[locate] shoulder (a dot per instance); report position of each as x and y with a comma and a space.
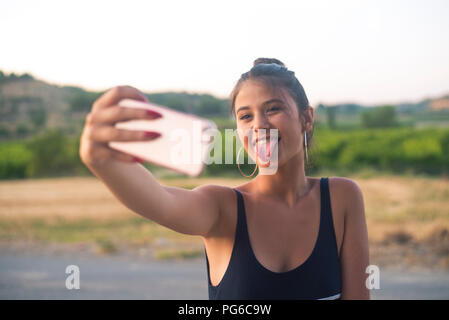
214, 190
342, 184
219, 194
347, 193
224, 199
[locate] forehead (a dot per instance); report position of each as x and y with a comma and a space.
254, 93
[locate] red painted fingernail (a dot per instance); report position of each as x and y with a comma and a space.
154, 114
151, 134
135, 159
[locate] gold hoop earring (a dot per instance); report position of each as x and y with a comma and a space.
238, 165
305, 144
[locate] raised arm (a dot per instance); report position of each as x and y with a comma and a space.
193, 212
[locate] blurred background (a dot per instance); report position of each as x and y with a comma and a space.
376, 73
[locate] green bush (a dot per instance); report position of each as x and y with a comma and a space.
14, 160
400, 149
53, 153
379, 117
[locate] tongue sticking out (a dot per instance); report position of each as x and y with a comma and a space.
265, 148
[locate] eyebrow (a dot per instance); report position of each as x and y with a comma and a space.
265, 103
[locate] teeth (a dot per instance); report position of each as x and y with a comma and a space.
264, 140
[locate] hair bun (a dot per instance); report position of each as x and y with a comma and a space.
268, 60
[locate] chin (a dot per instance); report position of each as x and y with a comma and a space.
264, 164
269, 163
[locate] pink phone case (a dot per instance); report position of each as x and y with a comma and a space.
184, 144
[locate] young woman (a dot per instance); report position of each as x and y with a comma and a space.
278, 236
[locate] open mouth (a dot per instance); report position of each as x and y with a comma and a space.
263, 140
264, 147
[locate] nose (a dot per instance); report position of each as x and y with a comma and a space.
260, 127
260, 122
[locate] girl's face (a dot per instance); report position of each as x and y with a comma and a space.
256, 108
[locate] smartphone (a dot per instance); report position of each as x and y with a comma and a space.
185, 142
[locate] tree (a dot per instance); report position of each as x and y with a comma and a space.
331, 117
379, 117
38, 116
211, 106
82, 101
50, 154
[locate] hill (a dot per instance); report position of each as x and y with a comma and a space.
28, 105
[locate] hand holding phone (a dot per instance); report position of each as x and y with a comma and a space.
99, 128
184, 142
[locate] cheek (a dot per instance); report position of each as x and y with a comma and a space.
291, 140
243, 135
290, 130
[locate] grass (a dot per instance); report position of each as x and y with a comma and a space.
400, 210
82, 230
106, 246
178, 254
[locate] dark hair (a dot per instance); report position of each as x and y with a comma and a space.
274, 74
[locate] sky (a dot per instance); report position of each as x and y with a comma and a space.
345, 51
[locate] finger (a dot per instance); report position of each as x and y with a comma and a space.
110, 133
116, 113
124, 157
114, 95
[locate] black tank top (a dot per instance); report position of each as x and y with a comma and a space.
317, 278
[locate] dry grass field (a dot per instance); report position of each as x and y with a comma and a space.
408, 218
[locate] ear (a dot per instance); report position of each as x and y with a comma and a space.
309, 118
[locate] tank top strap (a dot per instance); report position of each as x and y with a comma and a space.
327, 231
241, 234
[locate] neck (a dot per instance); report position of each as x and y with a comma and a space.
288, 184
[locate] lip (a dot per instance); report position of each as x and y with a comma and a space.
264, 138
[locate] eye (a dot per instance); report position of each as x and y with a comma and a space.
275, 108
244, 117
